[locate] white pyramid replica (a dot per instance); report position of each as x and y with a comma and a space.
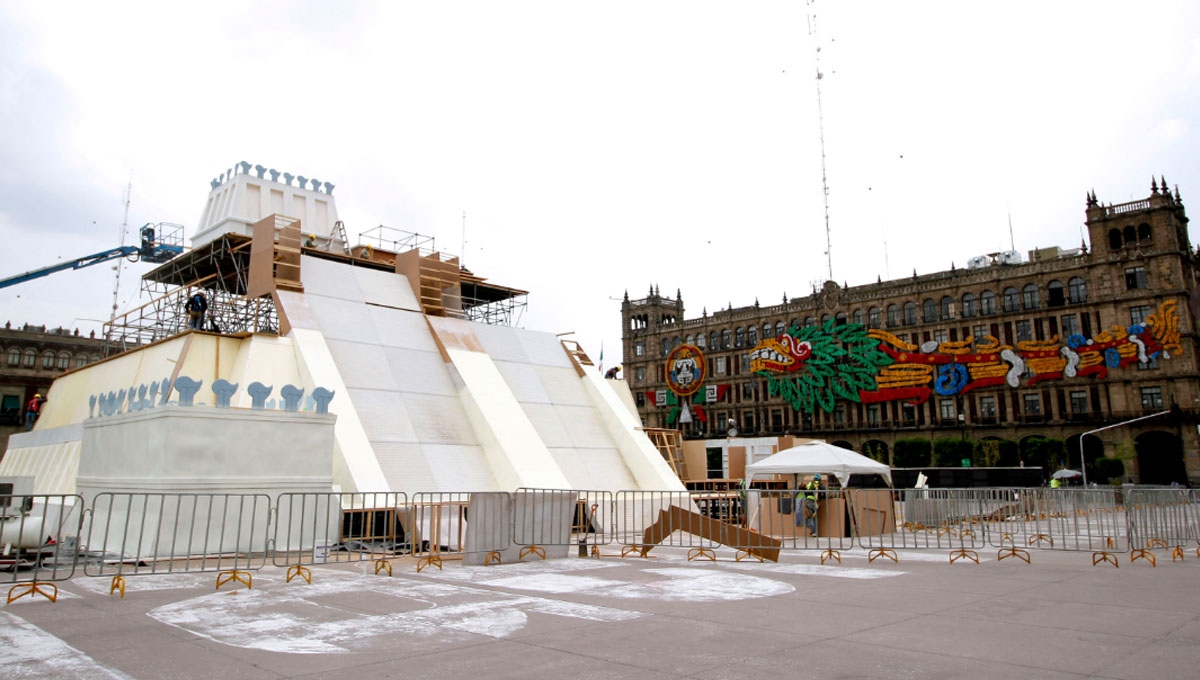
430, 394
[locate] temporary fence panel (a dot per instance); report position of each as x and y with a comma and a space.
1055, 519
322, 528
38, 542
149, 533
799, 522
557, 519
1160, 518
645, 519
924, 519
474, 526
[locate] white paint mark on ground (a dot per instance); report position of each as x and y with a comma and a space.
319, 618
701, 585
816, 570
480, 574
942, 556
27, 651
150, 582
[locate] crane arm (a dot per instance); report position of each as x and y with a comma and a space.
79, 263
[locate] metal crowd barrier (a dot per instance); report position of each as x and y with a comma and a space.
323, 528
127, 534
38, 535
783, 518
559, 519
1056, 519
1161, 518
920, 519
646, 519
473, 526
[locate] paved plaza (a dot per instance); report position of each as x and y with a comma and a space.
663, 617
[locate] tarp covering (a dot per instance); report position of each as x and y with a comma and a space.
819, 457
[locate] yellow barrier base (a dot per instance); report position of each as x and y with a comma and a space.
883, 552
637, 550
1012, 551
31, 589
1039, 538
381, 565
301, 571
1143, 554
830, 553
963, 553
596, 551
1177, 553
743, 554
435, 560
532, 550
492, 556
235, 575
695, 553
118, 581
1156, 543
1104, 556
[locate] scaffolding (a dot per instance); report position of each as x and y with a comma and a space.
220, 269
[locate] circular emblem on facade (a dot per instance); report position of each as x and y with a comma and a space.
685, 370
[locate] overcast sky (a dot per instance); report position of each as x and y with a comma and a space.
596, 148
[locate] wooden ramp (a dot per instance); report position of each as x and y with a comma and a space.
676, 518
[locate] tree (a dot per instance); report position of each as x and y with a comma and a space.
910, 453
1108, 470
950, 452
877, 451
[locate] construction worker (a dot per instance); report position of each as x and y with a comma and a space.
32, 410
196, 306
311, 241
808, 504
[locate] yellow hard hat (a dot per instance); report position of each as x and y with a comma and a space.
37, 396
312, 235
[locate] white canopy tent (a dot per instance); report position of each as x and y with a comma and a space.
818, 457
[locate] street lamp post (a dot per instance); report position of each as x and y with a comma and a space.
1083, 462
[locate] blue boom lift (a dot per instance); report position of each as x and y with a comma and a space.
157, 246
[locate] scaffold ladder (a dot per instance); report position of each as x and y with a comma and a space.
339, 229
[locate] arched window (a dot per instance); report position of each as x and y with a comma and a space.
839, 319
1077, 290
666, 346
1144, 232
1055, 294
1129, 235
873, 317
48, 359
893, 313
767, 328
969, 305
752, 336
1030, 295
910, 313
80, 360
1012, 299
859, 317
64, 361
779, 329
725, 339
95, 358
987, 302
1114, 239
809, 321
29, 359
712, 341
930, 310
947, 307
700, 340
14, 356
739, 337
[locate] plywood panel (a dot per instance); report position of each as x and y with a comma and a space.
385, 288
439, 420
383, 415
396, 328
501, 343
563, 386
341, 321
524, 382
460, 468
417, 372
362, 365
543, 348
330, 279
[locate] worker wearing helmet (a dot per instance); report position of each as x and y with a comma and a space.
808, 503
311, 241
32, 410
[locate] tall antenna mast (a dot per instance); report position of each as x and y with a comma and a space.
812, 31
117, 266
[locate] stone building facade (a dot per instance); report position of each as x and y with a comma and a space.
1056, 345
31, 357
